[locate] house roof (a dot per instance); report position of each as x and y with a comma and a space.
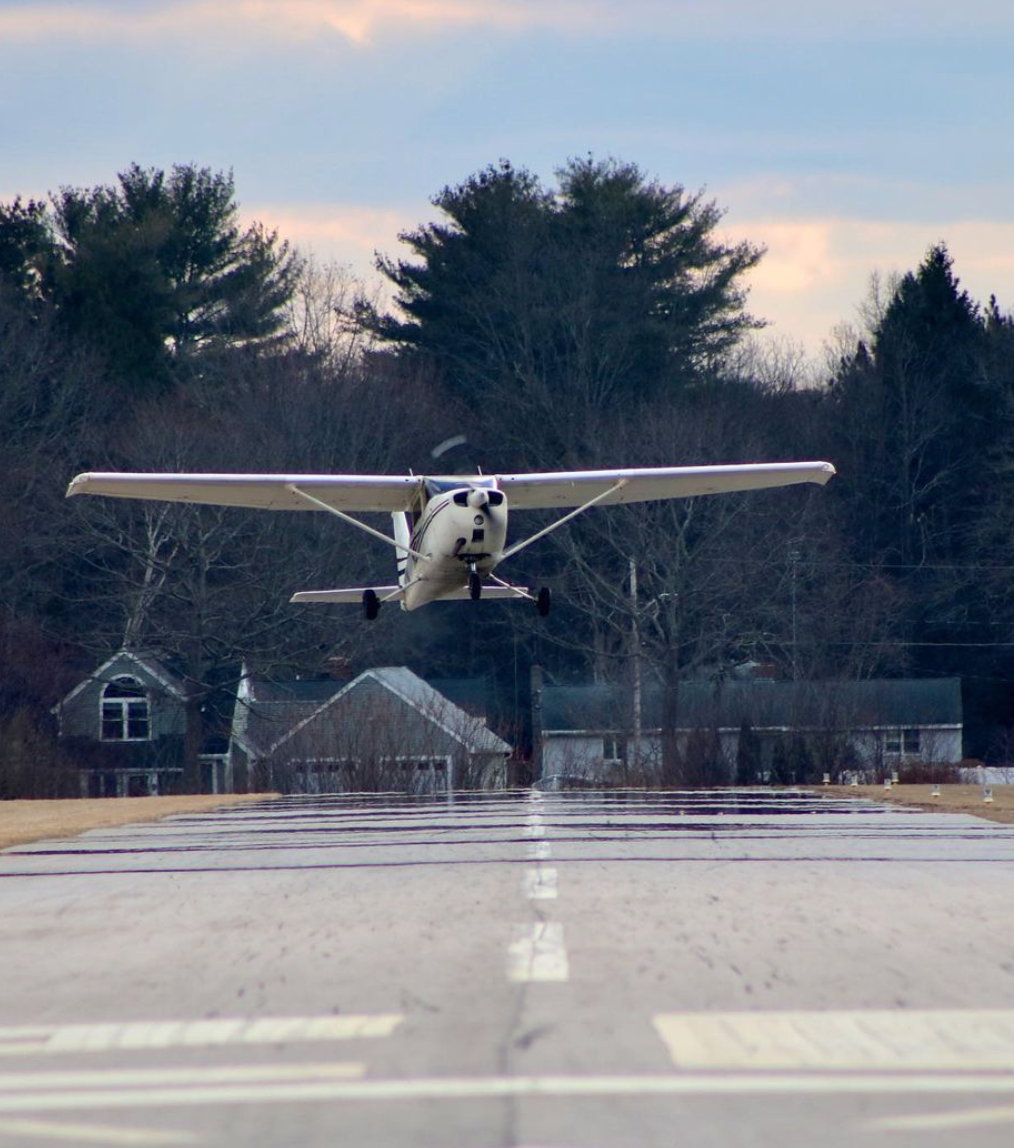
764, 704
124, 662
269, 713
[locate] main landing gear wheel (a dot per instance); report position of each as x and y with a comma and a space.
474, 585
543, 601
371, 604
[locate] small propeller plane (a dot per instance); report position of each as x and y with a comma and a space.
450, 532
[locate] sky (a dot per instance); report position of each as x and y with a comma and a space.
845, 138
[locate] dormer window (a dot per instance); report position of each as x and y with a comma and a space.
125, 715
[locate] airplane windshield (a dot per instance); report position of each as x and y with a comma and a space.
436, 486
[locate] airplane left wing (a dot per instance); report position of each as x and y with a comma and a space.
345, 492
577, 487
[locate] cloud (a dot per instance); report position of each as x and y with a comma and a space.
817, 272
343, 232
815, 275
355, 20
360, 21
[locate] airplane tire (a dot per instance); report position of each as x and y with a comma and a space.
474, 585
543, 602
371, 604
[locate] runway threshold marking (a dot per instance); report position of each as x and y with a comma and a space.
31, 1039
537, 953
472, 1088
933, 1040
539, 851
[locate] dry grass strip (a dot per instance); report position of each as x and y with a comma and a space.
952, 799
25, 821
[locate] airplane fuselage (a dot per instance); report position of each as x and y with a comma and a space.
456, 532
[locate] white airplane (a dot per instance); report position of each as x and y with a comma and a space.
450, 532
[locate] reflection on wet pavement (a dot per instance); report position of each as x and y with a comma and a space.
371, 829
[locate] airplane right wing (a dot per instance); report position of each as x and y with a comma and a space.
574, 488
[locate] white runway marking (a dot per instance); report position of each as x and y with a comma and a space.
465, 1088
535, 826
93, 1133
537, 953
539, 884
200, 1074
539, 851
23, 1040
900, 1040
938, 1121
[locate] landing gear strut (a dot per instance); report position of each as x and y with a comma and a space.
371, 604
543, 601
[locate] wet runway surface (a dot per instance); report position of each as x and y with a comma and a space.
522, 969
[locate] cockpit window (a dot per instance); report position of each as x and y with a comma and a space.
436, 486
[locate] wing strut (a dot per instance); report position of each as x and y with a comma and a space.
512, 550
354, 521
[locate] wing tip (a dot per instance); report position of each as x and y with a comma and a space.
78, 485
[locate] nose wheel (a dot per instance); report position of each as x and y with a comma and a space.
371, 604
474, 586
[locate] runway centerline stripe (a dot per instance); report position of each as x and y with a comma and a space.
539, 884
537, 953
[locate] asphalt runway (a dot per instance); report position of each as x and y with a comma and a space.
530, 970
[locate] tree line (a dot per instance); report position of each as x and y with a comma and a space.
595, 321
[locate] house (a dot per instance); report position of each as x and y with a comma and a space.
586, 731
125, 723
386, 729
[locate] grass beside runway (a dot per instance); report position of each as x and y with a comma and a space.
952, 799
22, 822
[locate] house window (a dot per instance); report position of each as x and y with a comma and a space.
125, 714
612, 748
902, 742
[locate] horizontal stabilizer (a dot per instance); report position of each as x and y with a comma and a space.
493, 593
353, 596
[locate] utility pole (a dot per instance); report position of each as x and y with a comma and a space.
636, 639
794, 559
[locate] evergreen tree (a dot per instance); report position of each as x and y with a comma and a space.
151, 271
608, 288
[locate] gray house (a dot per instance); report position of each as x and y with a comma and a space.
385, 730
125, 722
587, 731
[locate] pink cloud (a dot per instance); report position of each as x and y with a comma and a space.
817, 271
360, 20
356, 20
